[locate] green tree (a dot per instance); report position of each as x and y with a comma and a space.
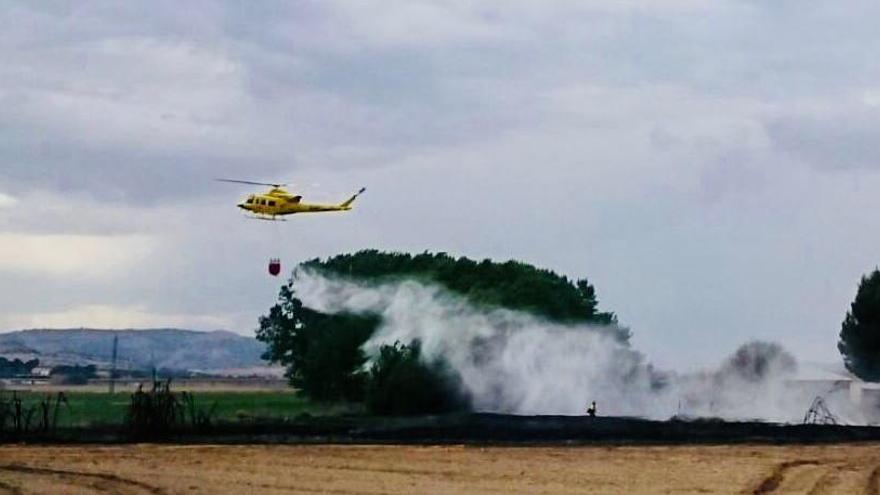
860, 333
322, 353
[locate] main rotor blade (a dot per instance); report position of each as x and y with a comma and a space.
250, 182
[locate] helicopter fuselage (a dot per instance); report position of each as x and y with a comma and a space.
277, 202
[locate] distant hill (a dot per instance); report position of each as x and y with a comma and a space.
138, 349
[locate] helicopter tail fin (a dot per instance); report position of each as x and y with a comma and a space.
347, 203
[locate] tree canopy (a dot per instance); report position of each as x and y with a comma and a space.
322, 352
16, 367
758, 360
511, 284
859, 342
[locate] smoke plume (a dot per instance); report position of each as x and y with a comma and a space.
512, 362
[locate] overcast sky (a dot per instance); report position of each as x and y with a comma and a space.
711, 166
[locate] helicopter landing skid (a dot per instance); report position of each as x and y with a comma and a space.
266, 218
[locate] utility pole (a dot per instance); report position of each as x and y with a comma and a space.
113, 364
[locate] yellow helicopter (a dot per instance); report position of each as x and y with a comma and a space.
278, 202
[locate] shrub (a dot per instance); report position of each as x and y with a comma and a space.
400, 383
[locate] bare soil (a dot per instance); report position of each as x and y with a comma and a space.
339, 469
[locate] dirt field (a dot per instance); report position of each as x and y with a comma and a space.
428, 470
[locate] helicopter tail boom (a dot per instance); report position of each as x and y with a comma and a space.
346, 205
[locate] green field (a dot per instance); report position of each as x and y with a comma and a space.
93, 409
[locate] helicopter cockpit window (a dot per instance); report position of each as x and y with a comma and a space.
250, 200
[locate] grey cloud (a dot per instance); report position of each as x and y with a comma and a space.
842, 138
147, 110
148, 113
732, 173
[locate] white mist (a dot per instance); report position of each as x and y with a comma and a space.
512, 362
